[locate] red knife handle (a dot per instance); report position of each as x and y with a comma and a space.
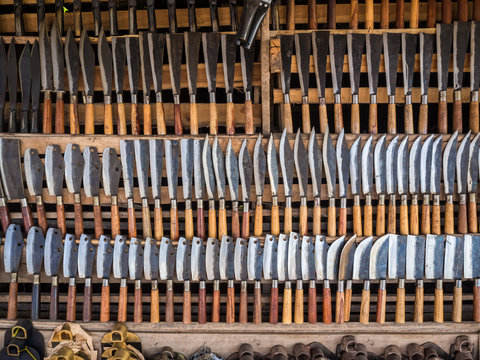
187, 303
340, 304
26, 215
353, 14
71, 300
462, 214
216, 301
41, 214
147, 118
442, 113
122, 301
47, 113
462, 10
178, 118
202, 303
155, 303
77, 208
132, 222
235, 221
59, 114
200, 219
476, 301
105, 302
246, 221
457, 112
472, 213
137, 305
312, 15
381, 302
160, 115
274, 302
74, 123
418, 307
54, 299
108, 116
36, 297
12, 297
87, 300
327, 303
146, 222
115, 219
257, 303
365, 303
312, 302
243, 311
134, 119
61, 222
89, 117
230, 316
431, 13
169, 315
331, 229
400, 16
457, 302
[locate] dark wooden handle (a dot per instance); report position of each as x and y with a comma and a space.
258, 220
147, 119
243, 311
414, 228
369, 18
380, 220
431, 13
472, 215
74, 123
160, 115
122, 119
115, 220
392, 118
77, 208
312, 303
273, 316
338, 117
418, 307
200, 223
436, 220
61, 222
327, 305
89, 119
354, 14
372, 118
187, 307
246, 224
154, 306
216, 306
355, 119
137, 305
59, 116
381, 305
42, 218
408, 115
457, 116
323, 118
229, 118
392, 218
357, 220
122, 304
36, 296
214, 118
77, 21
367, 220
27, 217
257, 304
476, 303
193, 119
54, 301
47, 114
414, 13
423, 119
12, 300
290, 15
230, 315
178, 119
365, 307
312, 14
400, 14
474, 116
108, 117
438, 306
462, 219
400, 306
249, 126
132, 222
457, 305
342, 221
404, 228
332, 218
169, 317
87, 302
235, 224
174, 230
202, 305
340, 307
384, 14
71, 302
462, 10
331, 16
135, 123
442, 117
105, 304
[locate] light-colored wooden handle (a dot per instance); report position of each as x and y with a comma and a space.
474, 117
408, 117
340, 307
160, 116
147, 119
457, 305
404, 220
342, 221
418, 308
317, 219
365, 307
222, 223
258, 222
249, 127
230, 118
158, 223
187, 307
322, 110
287, 117
472, 215
189, 224
155, 306
355, 119
449, 220
367, 220
436, 220
348, 304
298, 315
372, 113
122, 119
392, 218
438, 306
414, 13
216, 306
369, 20
105, 304
275, 226
303, 221
134, 119
400, 307
287, 221
331, 230
287, 306
174, 228
380, 220
426, 219
177, 114
193, 119
338, 117
213, 118
414, 228
108, 124
89, 119
357, 220
392, 117
306, 118
212, 224
74, 123
146, 222
423, 119
384, 14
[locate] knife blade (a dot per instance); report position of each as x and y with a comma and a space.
133, 66
444, 39
12, 85
146, 72
54, 170
356, 177
142, 160
72, 61
156, 169
127, 159
259, 167
91, 185
192, 51
367, 185
337, 46
286, 51
119, 59
233, 176
426, 55
87, 62
355, 44
374, 44
74, 165
105, 62
171, 164
46, 77
287, 166
211, 45
218, 162
272, 167
25, 74
461, 37
379, 157
34, 173
111, 173
461, 172
409, 47
320, 40
247, 58
186, 151
156, 45
330, 164
229, 54
174, 51
303, 45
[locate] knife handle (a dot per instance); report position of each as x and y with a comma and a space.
61, 223
87, 300
174, 230
332, 214
249, 127
476, 301
275, 214
132, 18
122, 120
202, 303
436, 220
12, 297
381, 215
213, 118
4, 215
257, 303
216, 301
47, 113
12, 121
338, 117
74, 123
306, 127
367, 216
134, 119
188, 220
355, 119
155, 303
462, 10
89, 118
312, 14
400, 16
200, 219
193, 118
472, 214
71, 300
287, 117
230, 118
298, 311
462, 215
290, 25
146, 221
392, 215
132, 222
408, 117
258, 223
287, 303
365, 303
235, 221
246, 222
348, 300
152, 22
457, 114
222, 219
400, 306
98, 222
442, 116
384, 14
96, 17
108, 117
414, 228
381, 302
317, 217
36, 297
105, 302
178, 119
137, 305
418, 308
372, 119
33, 123
287, 220
19, 25
77, 18
312, 302
457, 302
404, 216
230, 313
327, 303
357, 216
169, 315
392, 118
158, 220
369, 18
342, 217
331, 16
438, 302
340, 304
273, 316
322, 112
26, 215
115, 220
160, 115
24, 122
423, 119
474, 115
78, 214
53, 313
243, 311
212, 220
431, 13
353, 15
414, 13
122, 301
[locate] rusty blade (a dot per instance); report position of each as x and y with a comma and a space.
474, 56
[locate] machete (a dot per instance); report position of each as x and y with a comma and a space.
246, 175
186, 156
409, 49
104, 266
415, 267
378, 270
54, 170
13, 249
272, 167
135, 268
218, 162
105, 62
25, 74
46, 77
233, 177
402, 183
316, 168
282, 271
471, 269
120, 271
286, 51
58, 67
474, 76
209, 177
146, 72
111, 173
211, 45
343, 166
70, 265
379, 157
414, 173
142, 160
171, 164
303, 45
426, 183
321, 252
374, 44
35, 86
345, 274
53, 255
229, 54
453, 270
461, 35
86, 255
74, 165
356, 178
227, 272
392, 183
192, 51
287, 165
472, 181
255, 266
330, 164
308, 274
449, 158
150, 269
391, 50
294, 273
212, 273
166, 263
119, 59
156, 45
361, 271
270, 273
461, 172
434, 255
355, 44
199, 185
34, 174
367, 185
397, 247
435, 180
34, 258
426, 55
127, 158
198, 274
91, 185
320, 41
87, 62
301, 165
246, 60
174, 51
444, 39
259, 167
12, 85
72, 61
333, 260
337, 45
133, 66
157, 149
240, 268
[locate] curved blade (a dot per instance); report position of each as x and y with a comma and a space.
444, 33
471, 247
461, 35
25, 73
254, 259
462, 164
171, 164
13, 248
53, 251
186, 151
320, 52
156, 147
259, 165
198, 260
227, 258
34, 172
397, 249
86, 254
436, 169
282, 257
119, 59
415, 258
315, 164
391, 49
87, 61
337, 46
308, 258
330, 163
12, 74
246, 170
454, 254
167, 259
127, 157
333, 258
232, 170
133, 62
229, 53
34, 250
367, 166
272, 166
120, 257
355, 44
70, 257
294, 257
156, 45
208, 171
74, 165
198, 168
286, 163
402, 166
361, 260
104, 257
211, 45
112, 170
72, 61
145, 66
321, 251
472, 173
92, 171
374, 44
414, 168
150, 259
182, 261
192, 51
135, 259
303, 46
380, 154
286, 51
212, 257
270, 248
301, 164
218, 161
345, 265
434, 251
105, 62
240, 260
426, 55
378, 258
175, 51
10, 169
343, 164
45, 58
391, 166
54, 169
449, 156
57, 57
409, 50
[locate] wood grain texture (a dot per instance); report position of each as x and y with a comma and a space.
423, 119
331, 15
160, 116
327, 305
312, 14
78, 213
400, 306
249, 125
105, 304
380, 220
257, 305
414, 13
47, 114
348, 304
418, 307
298, 308
287, 117
290, 25
372, 115
122, 119
174, 228
246, 224
354, 14
400, 14
323, 118
431, 13
27, 217
317, 220
365, 307
216, 306
12, 301
436, 220
189, 224
222, 223
342, 221
438, 306
87, 303
355, 118
230, 311
147, 119
177, 114
392, 218
230, 119
258, 221
61, 222
462, 218
187, 307
212, 224
303, 221
404, 222
449, 220
369, 19
53, 306
73, 117
338, 117
202, 306
287, 306
340, 307
367, 220
137, 305
306, 118
357, 220
98, 222
384, 14
476, 303
476, 10
200, 223
132, 223
474, 116
472, 215
89, 119
287, 220
275, 220
426, 218
122, 304
331, 226
42, 218
462, 10
408, 118
414, 223
71, 303
214, 118
235, 224
457, 305
154, 306
108, 118
243, 308
59, 116
442, 117
273, 314
134, 120
381, 306
169, 316
457, 116
115, 220
312, 304
193, 119
392, 118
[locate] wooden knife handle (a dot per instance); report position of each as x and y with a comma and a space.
214, 118
174, 230
12, 298
342, 219
457, 116
287, 219
400, 306
160, 116
414, 228
462, 217
147, 119
212, 223
108, 116
462, 10
216, 305
137, 305
105, 302
327, 305
77, 20
400, 16
338, 117
42, 217
357, 220
365, 306
438, 305
249, 127
246, 222
369, 18
115, 220
331, 16
132, 222
367, 220
146, 221
257, 303
381, 303
303, 222
408, 115
47, 114
59, 115
36, 297
457, 302
423, 119
322, 110
392, 118
89, 119
188, 223
273, 317
340, 307
298, 311
392, 216
414, 13
187, 305
404, 219
122, 302
372, 117
312, 303
243, 311
53, 313
355, 119
78, 213
134, 119
230, 313
87, 301
317, 217
442, 117
384, 14
222, 222
474, 116
155, 305
472, 214
331, 230
354, 14
306, 127
290, 15
418, 307
287, 117
169, 316
258, 222
193, 118
348, 303
202, 304
476, 301
122, 119
287, 304
61, 223
230, 119
200, 220
431, 13
312, 14
26, 215
74, 123
275, 214
380, 219
71, 302
436, 220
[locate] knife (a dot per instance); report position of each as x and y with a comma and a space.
409, 47
320, 41
397, 247
461, 172
453, 270
86, 255
286, 51
91, 185
211, 44
209, 176
13, 248
402, 184
426, 54
471, 269
104, 265
120, 271
246, 174
171, 163
198, 274
199, 185
187, 158
345, 274
321, 252
378, 270
391, 182
74, 165
301, 165
367, 185
415, 265
53, 254
58, 72
146, 72
127, 158
435, 179
111, 173
97, 19
87, 61
34, 173
254, 266
227, 272
343, 166
142, 152
461, 34
25, 73
35, 85
132, 17
270, 272
218, 161
414, 174
329, 162
156, 168
166, 269
229, 54
247, 60
105, 62
379, 157
70, 265
287, 166
472, 181
361, 271
315, 164
444, 39
272, 167
232, 169
303, 45
133, 67
259, 165
156, 44
192, 51
240, 266
119, 58
174, 51
135, 267
54, 169
356, 177
12, 85
294, 273
212, 273
374, 44
34, 258
355, 44
337, 44
474, 75
332, 271
46, 77
391, 50
72, 61
449, 157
